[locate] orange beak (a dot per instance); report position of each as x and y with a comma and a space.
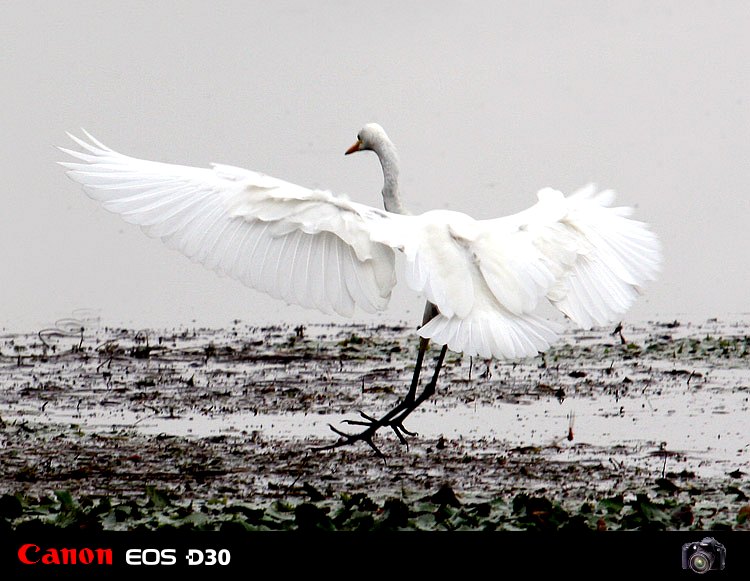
354, 147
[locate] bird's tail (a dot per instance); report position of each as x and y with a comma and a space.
492, 333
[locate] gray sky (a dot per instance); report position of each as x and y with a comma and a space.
487, 102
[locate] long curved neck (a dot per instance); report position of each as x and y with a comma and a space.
389, 162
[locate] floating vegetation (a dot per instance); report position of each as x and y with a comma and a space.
207, 429
441, 511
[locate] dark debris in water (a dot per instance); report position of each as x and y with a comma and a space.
65, 474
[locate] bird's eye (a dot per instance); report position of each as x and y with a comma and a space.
359, 137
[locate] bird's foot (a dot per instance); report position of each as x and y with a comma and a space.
346, 439
394, 419
395, 422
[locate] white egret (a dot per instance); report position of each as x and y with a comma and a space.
484, 280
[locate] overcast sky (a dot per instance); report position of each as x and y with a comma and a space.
487, 102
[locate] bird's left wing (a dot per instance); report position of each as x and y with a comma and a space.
307, 247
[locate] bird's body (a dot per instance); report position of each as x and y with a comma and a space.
485, 280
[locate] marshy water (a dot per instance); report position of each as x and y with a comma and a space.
236, 413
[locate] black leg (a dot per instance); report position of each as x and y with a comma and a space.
430, 312
395, 417
427, 392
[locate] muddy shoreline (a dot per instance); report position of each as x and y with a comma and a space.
234, 414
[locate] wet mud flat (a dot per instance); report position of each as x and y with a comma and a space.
209, 428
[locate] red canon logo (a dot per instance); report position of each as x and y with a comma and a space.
31, 554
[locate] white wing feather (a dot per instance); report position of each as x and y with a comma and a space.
318, 250
305, 246
487, 277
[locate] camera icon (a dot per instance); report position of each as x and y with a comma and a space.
706, 555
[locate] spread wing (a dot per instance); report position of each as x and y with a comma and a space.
489, 277
307, 247
315, 249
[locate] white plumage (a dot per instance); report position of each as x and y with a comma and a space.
487, 278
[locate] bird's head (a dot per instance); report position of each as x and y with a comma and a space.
371, 136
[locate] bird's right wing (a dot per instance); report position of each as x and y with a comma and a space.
488, 278
599, 257
307, 247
